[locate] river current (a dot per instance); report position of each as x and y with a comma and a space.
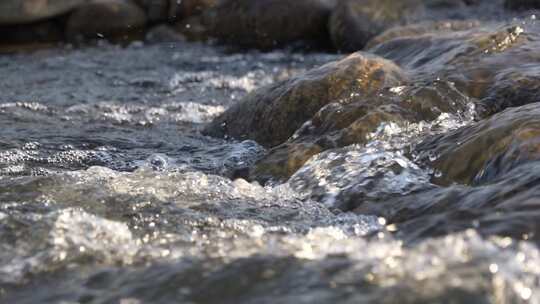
110, 194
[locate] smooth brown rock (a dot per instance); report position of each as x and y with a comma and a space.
354, 22
343, 124
188, 8
493, 64
268, 24
479, 153
159, 10
28, 11
418, 29
272, 114
174, 10
103, 18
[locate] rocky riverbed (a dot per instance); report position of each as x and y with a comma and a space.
383, 152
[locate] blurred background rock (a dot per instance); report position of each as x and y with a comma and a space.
342, 25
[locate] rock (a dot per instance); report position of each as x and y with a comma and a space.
354, 22
493, 64
163, 33
418, 29
343, 124
272, 114
521, 4
507, 206
482, 152
27, 11
437, 4
193, 29
116, 17
188, 8
39, 32
170, 10
159, 10
267, 24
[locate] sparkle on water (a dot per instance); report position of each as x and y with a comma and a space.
109, 194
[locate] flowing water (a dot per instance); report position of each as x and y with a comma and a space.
110, 194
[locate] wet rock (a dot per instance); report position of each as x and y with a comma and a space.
272, 114
521, 4
356, 121
494, 64
418, 29
479, 153
269, 24
27, 11
116, 18
354, 22
506, 206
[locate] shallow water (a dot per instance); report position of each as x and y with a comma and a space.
110, 194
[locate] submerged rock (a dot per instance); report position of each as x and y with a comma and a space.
479, 153
24, 11
116, 17
354, 22
272, 114
267, 24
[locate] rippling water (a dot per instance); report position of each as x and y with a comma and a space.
110, 194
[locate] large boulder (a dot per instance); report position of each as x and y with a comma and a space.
272, 114
267, 24
27, 11
354, 22
116, 18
